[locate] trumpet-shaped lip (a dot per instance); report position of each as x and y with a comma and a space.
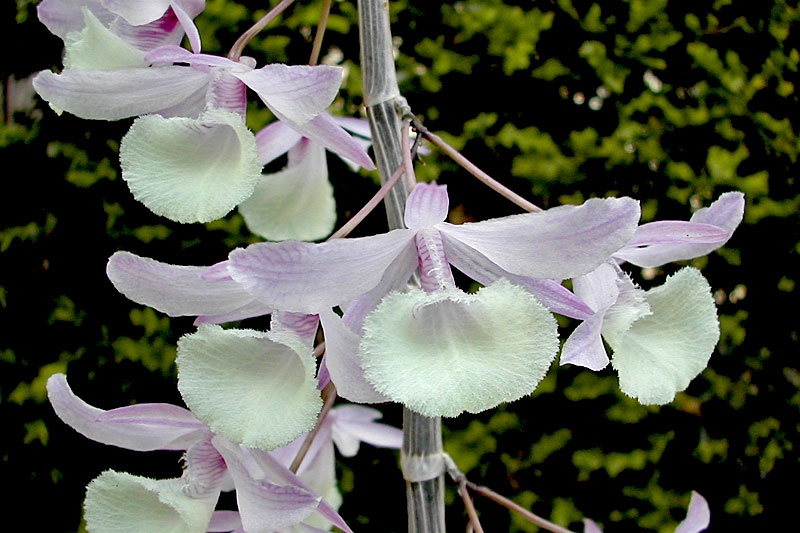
257, 389
190, 170
447, 352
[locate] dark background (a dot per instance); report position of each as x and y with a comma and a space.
672, 103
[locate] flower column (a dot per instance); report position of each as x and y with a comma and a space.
422, 436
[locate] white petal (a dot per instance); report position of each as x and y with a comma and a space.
96, 47
447, 352
661, 353
124, 503
295, 203
190, 170
253, 388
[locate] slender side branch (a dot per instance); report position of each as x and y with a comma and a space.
474, 170
323, 23
505, 502
368, 207
473, 515
408, 163
241, 42
330, 396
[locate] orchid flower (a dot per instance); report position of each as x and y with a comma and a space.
697, 518
191, 158
270, 498
437, 350
297, 202
662, 338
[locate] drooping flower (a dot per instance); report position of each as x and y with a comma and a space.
357, 274
191, 158
664, 337
496, 345
269, 496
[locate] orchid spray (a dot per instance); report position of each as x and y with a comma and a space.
395, 326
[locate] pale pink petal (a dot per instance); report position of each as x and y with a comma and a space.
187, 23
434, 270
178, 290
298, 92
324, 130
265, 505
559, 243
584, 347
62, 17
590, 527
359, 126
177, 54
698, 516
550, 293
307, 278
224, 521
204, 470
275, 140
344, 363
726, 214
117, 94
671, 231
167, 427
356, 423
280, 474
428, 204
137, 12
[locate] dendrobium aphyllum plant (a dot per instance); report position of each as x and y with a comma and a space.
661, 338
270, 497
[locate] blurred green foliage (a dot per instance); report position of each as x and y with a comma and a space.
670, 102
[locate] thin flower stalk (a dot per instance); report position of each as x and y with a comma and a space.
323, 23
408, 155
474, 521
351, 224
470, 167
246, 37
505, 502
330, 397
